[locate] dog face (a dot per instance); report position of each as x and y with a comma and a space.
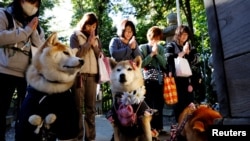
126, 75
55, 65
54, 56
196, 127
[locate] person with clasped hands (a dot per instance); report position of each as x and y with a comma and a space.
124, 47
154, 64
86, 43
15, 51
180, 47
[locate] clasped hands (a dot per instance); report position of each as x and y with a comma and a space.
186, 50
33, 23
154, 49
92, 39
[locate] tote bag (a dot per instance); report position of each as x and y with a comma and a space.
104, 69
182, 67
170, 92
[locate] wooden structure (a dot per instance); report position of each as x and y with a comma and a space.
229, 31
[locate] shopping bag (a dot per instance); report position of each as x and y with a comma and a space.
182, 67
170, 92
104, 69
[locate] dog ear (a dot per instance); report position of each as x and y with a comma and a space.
53, 38
138, 61
112, 63
199, 126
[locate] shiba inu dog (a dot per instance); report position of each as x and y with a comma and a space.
197, 120
130, 116
48, 111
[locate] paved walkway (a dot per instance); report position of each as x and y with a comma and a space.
104, 130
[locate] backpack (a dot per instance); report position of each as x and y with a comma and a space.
11, 23
10, 20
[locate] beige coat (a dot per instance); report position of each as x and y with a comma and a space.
90, 59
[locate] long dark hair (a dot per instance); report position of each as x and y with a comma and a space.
88, 19
179, 30
17, 10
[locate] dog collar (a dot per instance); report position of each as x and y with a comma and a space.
134, 97
48, 79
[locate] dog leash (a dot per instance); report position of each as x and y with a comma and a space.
177, 131
179, 128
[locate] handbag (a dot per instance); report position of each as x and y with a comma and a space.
182, 67
153, 74
104, 69
170, 92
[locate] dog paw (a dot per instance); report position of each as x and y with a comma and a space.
150, 111
155, 133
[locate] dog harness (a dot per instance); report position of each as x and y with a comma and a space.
176, 129
135, 100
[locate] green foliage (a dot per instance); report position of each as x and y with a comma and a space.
107, 97
148, 13
46, 4
4, 3
154, 12
99, 7
106, 31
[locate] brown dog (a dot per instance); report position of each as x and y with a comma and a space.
198, 119
127, 86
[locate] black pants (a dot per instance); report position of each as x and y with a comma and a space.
38, 103
8, 85
154, 99
184, 97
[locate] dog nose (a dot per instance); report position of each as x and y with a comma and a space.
81, 61
122, 78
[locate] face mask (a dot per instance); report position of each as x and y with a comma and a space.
29, 9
